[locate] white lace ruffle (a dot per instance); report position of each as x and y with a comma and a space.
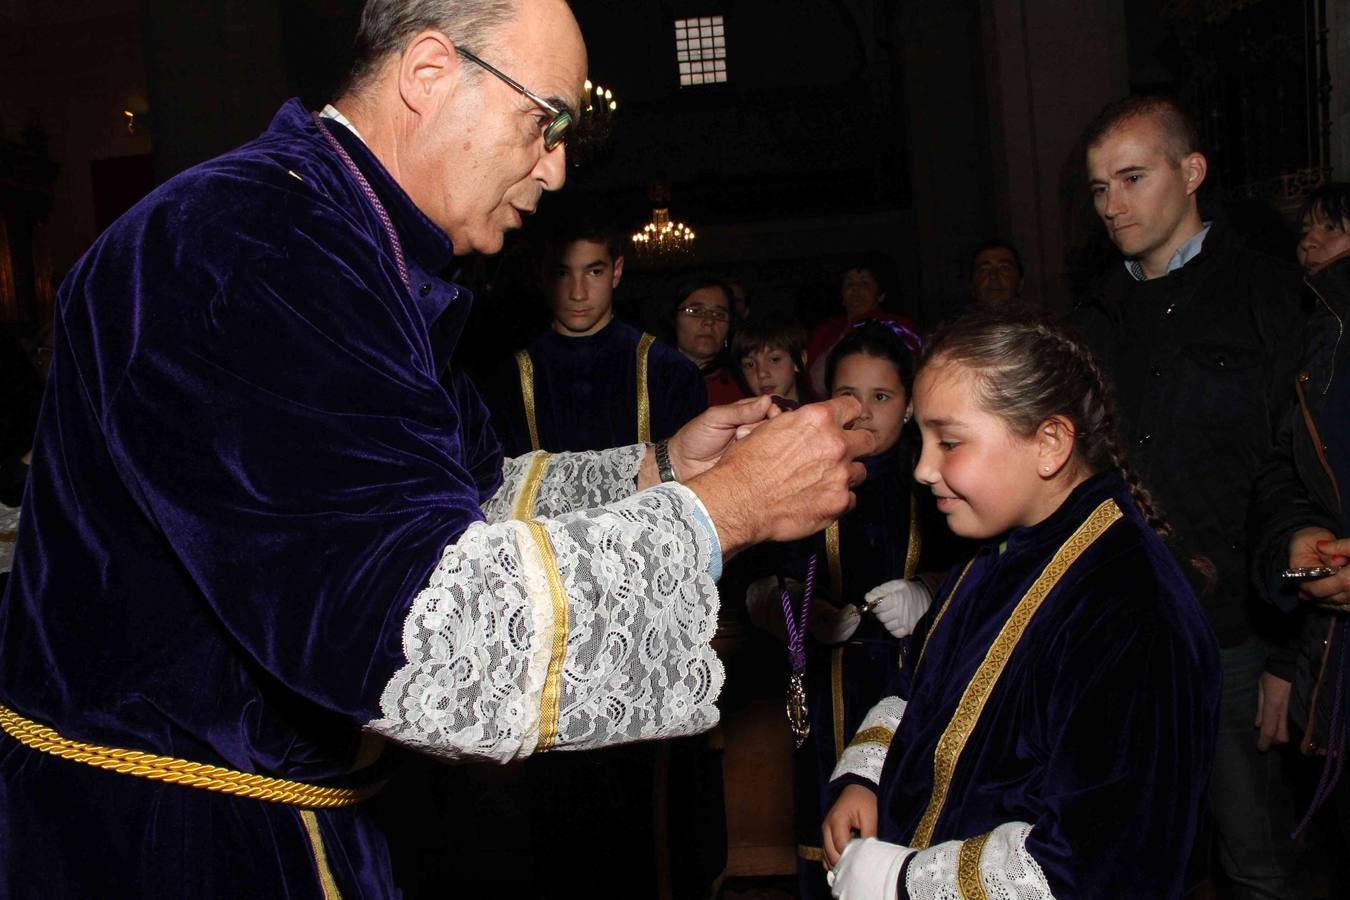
571, 481
1007, 870
636, 664
865, 758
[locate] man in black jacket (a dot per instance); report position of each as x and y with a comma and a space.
1196, 332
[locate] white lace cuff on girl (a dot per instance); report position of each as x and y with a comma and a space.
578, 631
996, 864
866, 753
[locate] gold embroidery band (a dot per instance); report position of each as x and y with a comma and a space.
985, 679
529, 491
644, 407
311, 823
810, 854
968, 880
915, 539
877, 734
837, 696
526, 367
835, 565
551, 701
180, 771
8, 537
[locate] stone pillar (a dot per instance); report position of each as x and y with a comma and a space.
948, 146
1050, 67
1338, 63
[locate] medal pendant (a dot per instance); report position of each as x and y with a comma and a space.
796, 709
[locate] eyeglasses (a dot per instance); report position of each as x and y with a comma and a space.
716, 313
556, 128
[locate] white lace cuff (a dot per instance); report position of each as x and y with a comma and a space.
588, 629
995, 865
542, 484
866, 753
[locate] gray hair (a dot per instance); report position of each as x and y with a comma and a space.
387, 25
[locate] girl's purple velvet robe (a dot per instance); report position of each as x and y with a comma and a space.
1100, 731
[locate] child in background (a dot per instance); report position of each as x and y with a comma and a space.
868, 593
1053, 724
769, 357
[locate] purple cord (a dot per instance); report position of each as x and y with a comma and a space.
375, 201
796, 624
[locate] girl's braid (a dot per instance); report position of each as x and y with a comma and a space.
1103, 440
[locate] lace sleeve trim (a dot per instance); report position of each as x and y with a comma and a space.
587, 629
549, 484
866, 753
996, 865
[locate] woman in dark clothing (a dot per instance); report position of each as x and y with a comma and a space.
1303, 510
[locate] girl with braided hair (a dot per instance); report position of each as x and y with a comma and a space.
1052, 725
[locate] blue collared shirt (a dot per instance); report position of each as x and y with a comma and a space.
1185, 253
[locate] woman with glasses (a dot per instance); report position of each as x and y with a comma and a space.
702, 325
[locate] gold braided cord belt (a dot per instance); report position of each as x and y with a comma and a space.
181, 771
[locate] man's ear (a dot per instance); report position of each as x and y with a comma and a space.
1055, 440
618, 273
1194, 167
428, 71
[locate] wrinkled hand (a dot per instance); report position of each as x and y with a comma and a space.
832, 624
1319, 547
899, 604
698, 446
854, 811
868, 870
1272, 711
788, 478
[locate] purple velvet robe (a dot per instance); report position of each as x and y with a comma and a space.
1100, 731
245, 469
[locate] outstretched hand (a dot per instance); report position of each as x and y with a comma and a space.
698, 446
788, 478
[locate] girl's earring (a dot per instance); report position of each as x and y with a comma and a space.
1045, 469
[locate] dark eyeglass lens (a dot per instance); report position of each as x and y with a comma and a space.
555, 131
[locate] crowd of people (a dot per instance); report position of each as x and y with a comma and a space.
1057, 599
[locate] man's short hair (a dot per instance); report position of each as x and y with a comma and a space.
576, 222
1183, 138
387, 25
998, 244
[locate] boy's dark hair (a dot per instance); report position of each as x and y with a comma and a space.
1331, 202
1183, 138
582, 222
872, 338
770, 332
998, 244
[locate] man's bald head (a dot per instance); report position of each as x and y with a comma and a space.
387, 26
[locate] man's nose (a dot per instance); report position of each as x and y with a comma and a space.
551, 170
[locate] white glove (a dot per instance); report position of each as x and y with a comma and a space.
764, 604
899, 604
830, 624
868, 869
